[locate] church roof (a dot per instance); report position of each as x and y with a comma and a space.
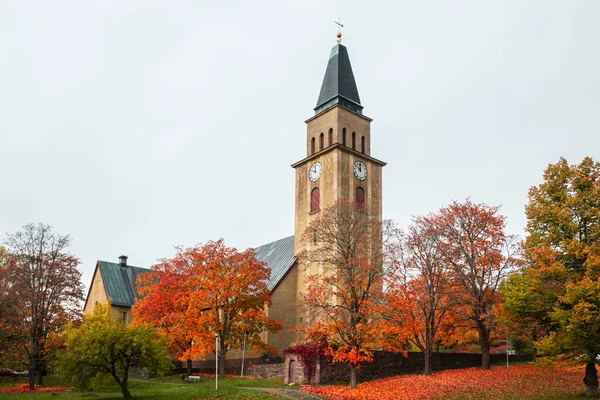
339, 86
279, 256
119, 282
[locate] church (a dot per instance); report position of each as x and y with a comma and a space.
338, 167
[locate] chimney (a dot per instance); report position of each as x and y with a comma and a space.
123, 261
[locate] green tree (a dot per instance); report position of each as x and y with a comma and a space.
555, 297
104, 347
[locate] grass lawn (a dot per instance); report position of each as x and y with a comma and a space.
157, 388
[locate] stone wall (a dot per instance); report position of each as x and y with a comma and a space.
266, 370
390, 364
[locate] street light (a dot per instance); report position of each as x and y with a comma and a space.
216, 361
244, 352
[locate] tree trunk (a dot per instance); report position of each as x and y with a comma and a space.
484, 341
222, 363
353, 377
427, 355
591, 380
125, 389
40, 375
189, 367
485, 355
31, 378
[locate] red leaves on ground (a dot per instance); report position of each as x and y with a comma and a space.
522, 380
24, 388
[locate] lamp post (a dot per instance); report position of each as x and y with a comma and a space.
216, 361
244, 352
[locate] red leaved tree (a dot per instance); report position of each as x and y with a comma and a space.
480, 254
421, 292
346, 248
207, 290
46, 283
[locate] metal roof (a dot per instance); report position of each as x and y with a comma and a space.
119, 282
279, 256
339, 86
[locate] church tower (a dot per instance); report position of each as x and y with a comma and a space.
338, 163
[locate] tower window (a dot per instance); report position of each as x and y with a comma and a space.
312, 146
321, 141
330, 136
362, 144
123, 316
360, 196
315, 200
344, 136
353, 140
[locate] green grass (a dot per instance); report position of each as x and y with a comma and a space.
169, 387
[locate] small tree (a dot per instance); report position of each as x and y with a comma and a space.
104, 347
344, 258
46, 283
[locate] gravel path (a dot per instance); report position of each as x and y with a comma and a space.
286, 393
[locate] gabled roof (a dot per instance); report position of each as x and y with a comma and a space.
119, 282
279, 256
339, 86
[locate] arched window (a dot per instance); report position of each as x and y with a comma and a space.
360, 196
344, 136
353, 140
312, 146
321, 141
315, 200
362, 144
330, 136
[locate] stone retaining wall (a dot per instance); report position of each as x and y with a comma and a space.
390, 364
266, 370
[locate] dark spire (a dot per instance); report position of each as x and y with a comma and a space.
339, 86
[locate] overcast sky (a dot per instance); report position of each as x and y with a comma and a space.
134, 126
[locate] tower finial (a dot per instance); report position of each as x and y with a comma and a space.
340, 26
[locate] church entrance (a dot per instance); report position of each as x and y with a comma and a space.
292, 372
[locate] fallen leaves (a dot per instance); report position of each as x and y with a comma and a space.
24, 388
524, 380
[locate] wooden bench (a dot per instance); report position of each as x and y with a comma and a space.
193, 378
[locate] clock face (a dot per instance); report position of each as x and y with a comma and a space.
360, 170
315, 171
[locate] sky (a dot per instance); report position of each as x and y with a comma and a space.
137, 126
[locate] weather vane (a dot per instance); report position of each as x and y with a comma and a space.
340, 26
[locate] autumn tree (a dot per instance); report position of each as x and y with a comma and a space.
104, 347
480, 254
557, 290
346, 248
164, 303
46, 283
12, 332
421, 293
219, 290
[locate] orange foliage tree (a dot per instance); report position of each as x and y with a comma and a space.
345, 250
421, 294
480, 254
207, 290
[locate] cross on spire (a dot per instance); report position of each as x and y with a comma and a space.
340, 26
